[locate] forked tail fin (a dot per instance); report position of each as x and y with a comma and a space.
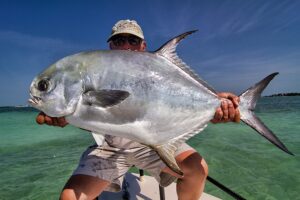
248, 101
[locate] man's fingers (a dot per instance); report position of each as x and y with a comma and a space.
48, 120
231, 110
62, 122
237, 117
224, 106
51, 121
227, 95
218, 114
235, 99
40, 119
54, 121
223, 95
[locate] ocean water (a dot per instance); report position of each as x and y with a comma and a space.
37, 160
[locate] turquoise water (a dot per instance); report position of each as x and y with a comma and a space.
36, 160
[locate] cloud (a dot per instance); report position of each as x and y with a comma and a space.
242, 17
22, 57
237, 71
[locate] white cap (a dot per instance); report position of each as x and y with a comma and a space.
127, 26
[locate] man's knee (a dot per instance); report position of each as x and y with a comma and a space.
83, 187
67, 194
192, 164
195, 171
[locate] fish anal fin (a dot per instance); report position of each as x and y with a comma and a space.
167, 153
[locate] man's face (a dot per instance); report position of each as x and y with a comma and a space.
127, 42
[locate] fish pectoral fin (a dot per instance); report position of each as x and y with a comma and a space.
167, 154
104, 98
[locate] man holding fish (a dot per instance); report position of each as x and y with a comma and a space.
103, 165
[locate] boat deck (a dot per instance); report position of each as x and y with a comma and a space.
147, 189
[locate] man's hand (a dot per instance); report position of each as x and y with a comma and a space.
228, 111
51, 121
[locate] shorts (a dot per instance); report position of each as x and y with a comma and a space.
110, 163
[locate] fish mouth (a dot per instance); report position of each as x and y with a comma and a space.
34, 100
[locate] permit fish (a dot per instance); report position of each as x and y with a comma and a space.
150, 97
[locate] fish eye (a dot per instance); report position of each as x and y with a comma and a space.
43, 85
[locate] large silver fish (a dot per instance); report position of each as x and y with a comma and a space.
153, 98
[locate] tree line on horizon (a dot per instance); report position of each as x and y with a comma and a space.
284, 94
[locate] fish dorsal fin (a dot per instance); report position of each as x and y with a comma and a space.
167, 151
168, 51
104, 98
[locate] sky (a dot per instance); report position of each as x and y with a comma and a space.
237, 44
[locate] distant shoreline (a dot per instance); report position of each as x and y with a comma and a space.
284, 94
